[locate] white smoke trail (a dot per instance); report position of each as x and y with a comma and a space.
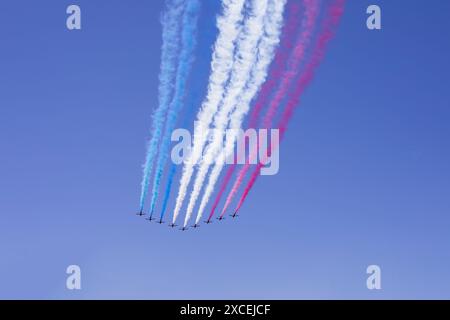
229, 25
247, 53
267, 46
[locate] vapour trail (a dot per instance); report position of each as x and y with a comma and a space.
194, 96
331, 21
281, 56
290, 72
273, 21
222, 189
229, 25
247, 45
169, 51
172, 171
186, 59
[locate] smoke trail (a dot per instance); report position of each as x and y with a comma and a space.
229, 25
245, 58
223, 186
279, 63
333, 17
169, 51
272, 21
194, 100
172, 171
287, 77
281, 56
194, 97
186, 59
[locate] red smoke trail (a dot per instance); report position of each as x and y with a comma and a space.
332, 20
293, 68
223, 186
279, 62
287, 78
275, 73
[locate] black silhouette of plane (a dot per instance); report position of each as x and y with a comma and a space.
160, 221
208, 221
140, 213
172, 225
150, 218
195, 226
220, 218
183, 229
234, 215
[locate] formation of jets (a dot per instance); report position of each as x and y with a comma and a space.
173, 225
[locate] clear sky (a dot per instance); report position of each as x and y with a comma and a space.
364, 169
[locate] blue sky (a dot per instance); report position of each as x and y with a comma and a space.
364, 169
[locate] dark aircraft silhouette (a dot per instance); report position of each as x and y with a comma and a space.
172, 225
151, 217
160, 221
220, 218
183, 229
195, 226
140, 213
234, 215
208, 221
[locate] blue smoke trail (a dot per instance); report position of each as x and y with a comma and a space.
194, 100
186, 60
170, 47
173, 170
